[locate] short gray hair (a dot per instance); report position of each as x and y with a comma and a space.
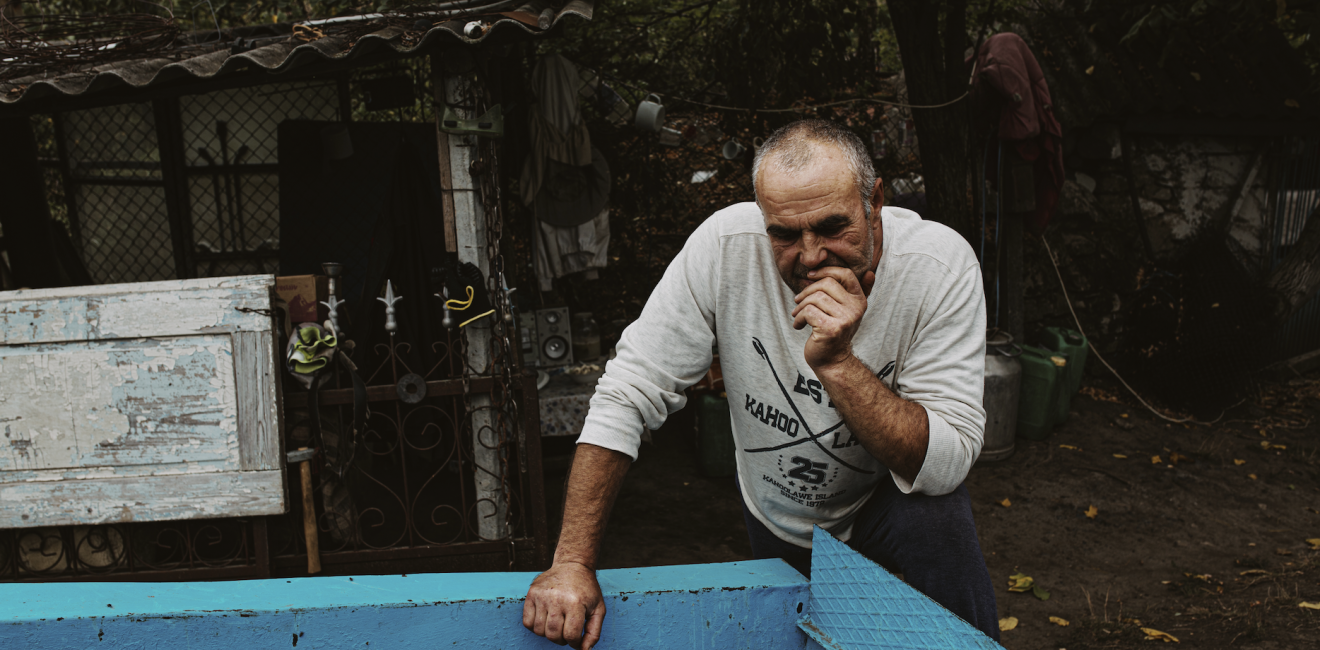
790, 149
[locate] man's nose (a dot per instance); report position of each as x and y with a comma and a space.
813, 251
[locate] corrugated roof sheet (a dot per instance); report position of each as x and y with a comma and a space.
1235, 74
278, 55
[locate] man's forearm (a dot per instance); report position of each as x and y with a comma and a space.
891, 428
593, 484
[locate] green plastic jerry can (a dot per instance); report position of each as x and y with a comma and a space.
715, 446
1042, 380
1071, 345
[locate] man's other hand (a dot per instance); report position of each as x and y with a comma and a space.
833, 306
562, 601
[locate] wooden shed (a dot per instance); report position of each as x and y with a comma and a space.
153, 199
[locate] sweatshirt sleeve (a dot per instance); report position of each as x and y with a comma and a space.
663, 352
945, 374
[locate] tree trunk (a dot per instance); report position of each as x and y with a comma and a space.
1298, 278
933, 65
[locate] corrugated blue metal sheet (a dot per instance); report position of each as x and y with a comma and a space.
856, 604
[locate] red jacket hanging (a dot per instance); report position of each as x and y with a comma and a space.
1009, 79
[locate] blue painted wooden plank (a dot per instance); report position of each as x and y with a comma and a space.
751, 605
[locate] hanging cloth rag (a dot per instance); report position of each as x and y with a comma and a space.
573, 220
564, 251
1009, 85
558, 131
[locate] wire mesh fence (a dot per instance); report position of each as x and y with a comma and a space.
231, 155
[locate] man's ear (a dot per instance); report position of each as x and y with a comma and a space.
877, 198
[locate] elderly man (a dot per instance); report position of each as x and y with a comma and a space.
851, 340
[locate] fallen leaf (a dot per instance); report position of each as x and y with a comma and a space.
1314, 542
1020, 582
1156, 460
1092, 512
1282, 551
1059, 621
1309, 605
1040, 593
1153, 634
1006, 624
1251, 476
1239, 462
1254, 572
1290, 103
1119, 456
1198, 78
1006, 503
1070, 447
1091, 70
1122, 415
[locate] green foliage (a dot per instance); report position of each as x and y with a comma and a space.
1175, 23
746, 53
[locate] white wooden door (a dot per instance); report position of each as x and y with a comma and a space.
139, 402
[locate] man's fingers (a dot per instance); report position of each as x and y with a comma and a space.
827, 305
845, 277
538, 623
594, 625
529, 614
573, 621
554, 626
868, 282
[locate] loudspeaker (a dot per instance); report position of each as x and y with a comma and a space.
554, 337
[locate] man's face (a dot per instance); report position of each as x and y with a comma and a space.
815, 219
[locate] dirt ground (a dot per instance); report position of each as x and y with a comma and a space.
1198, 532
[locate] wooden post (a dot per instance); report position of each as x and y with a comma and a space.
309, 518
465, 234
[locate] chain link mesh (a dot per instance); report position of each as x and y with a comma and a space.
231, 155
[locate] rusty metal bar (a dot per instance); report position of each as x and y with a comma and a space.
261, 546
236, 572
390, 392
535, 487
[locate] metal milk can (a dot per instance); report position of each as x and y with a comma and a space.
1003, 379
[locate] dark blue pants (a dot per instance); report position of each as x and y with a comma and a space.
930, 540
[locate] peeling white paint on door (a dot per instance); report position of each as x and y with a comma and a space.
132, 398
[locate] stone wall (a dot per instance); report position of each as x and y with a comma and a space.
1124, 216
1188, 186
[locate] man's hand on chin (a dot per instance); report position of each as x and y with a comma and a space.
562, 601
833, 306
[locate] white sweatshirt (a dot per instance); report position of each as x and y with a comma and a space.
923, 334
